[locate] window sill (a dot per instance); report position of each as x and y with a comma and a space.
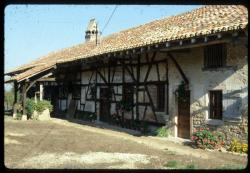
214, 122
233, 120
218, 68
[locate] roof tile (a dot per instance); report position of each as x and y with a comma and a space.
202, 21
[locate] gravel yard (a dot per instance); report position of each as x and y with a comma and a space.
63, 144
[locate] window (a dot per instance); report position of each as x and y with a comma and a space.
63, 92
128, 94
215, 56
76, 93
215, 100
160, 97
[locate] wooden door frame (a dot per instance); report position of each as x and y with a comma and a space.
101, 102
190, 118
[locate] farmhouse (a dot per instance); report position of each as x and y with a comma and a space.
182, 72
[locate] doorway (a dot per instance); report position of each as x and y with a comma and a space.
104, 105
184, 115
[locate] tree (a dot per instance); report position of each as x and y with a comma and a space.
8, 98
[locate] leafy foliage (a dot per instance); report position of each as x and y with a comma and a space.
238, 147
124, 106
171, 164
30, 107
162, 132
42, 105
181, 91
203, 138
9, 97
18, 116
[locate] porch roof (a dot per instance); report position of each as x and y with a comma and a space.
203, 21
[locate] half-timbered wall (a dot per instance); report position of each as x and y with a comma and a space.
115, 76
232, 80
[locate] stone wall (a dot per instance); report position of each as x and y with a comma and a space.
232, 80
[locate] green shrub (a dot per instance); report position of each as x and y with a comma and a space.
238, 147
162, 132
42, 105
171, 164
30, 107
203, 138
18, 116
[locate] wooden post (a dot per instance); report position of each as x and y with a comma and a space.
167, 82
41, 91
15, 92
123, 80
24, 92
137, 87
15, 99
97, 114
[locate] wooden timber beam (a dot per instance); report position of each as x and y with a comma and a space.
127, 69
86, 93
150, 65
103, 78
146, 87
179, 68
137, 86
30, 85
96, 92
24, 92
151, 102
167, 82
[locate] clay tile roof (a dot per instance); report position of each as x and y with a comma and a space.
199, 22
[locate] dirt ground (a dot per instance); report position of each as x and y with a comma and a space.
62, 144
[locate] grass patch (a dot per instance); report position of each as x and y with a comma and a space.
171, 164
162, 132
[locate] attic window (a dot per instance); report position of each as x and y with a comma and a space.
215, 56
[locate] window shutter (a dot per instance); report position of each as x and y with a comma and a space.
232, 103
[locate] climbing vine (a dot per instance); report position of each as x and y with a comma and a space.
124, 106
181, 91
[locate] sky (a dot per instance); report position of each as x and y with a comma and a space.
32, 31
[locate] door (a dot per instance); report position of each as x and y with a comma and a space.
184, 115
104, 105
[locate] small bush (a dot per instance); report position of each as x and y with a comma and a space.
171, 164
203, 138
30, 107
18, 116
238, 147
162, 132
42, 105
